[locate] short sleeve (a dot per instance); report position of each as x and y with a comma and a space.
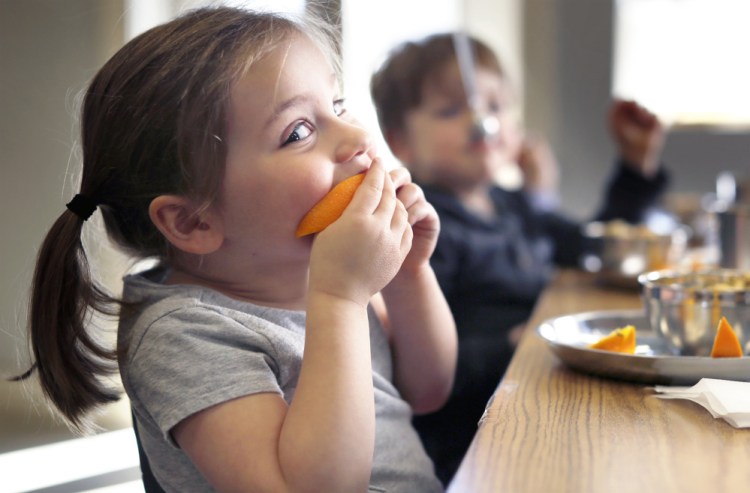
193, 358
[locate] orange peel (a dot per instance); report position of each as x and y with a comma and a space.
621, 340
726, 344
330, 207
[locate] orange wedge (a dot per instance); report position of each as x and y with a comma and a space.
726, 344
620, 340
330, 207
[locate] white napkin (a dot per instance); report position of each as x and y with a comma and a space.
724, 399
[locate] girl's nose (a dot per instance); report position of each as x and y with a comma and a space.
354, 141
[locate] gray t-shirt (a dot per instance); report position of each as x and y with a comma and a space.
188, 348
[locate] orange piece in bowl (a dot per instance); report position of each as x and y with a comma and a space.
726, 344
330, 207
620, 340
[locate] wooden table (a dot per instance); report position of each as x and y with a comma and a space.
549, 429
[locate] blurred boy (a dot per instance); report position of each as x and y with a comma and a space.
497, 248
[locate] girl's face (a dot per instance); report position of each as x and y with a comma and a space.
290, 139
437, 143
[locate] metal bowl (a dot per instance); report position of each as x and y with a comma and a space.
685, 307
626, 251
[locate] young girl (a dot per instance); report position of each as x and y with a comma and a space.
254, 360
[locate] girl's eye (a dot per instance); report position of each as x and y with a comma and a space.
300, 131
338, 107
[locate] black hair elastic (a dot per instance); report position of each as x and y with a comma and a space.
82, 206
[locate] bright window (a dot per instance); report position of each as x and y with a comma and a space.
141, 15
370, 30
685, 59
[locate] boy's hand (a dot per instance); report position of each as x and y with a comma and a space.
638, 134
422, 217
539, 167
361, 252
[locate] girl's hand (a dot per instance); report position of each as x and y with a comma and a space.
423, 219
357, 255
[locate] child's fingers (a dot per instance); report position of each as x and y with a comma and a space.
392, 209
400, 218
400, 224
367, 198
411, 196
420, 213
388, 200
406, 240
400, 177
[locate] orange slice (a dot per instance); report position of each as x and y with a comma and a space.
620, 340
726, 344
330, 207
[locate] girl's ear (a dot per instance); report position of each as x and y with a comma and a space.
192, 232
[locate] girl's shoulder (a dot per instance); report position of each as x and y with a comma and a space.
147, 292
160, 317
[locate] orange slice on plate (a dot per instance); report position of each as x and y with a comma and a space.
330, 207
620, 340
726, 344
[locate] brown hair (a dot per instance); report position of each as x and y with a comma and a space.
153, 123
396, 87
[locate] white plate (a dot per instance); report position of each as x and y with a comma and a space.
569, 337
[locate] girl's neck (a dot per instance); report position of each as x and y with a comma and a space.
271, 291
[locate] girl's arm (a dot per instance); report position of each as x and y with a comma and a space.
324, 439
423, 338
422, 330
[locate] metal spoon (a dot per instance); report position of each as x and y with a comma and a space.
726, 188
483, 127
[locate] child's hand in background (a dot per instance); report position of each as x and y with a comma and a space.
539, 166
541, 175
638, 134
358, 254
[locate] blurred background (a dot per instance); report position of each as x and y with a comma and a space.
567, 58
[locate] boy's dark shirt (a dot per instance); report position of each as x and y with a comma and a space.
492, 271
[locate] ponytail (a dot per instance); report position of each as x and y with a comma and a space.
70, 361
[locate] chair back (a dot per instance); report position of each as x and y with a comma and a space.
150, 484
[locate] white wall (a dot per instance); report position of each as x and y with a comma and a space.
568, 78
48, 50
500, 24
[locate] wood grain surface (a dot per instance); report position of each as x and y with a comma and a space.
551, 429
